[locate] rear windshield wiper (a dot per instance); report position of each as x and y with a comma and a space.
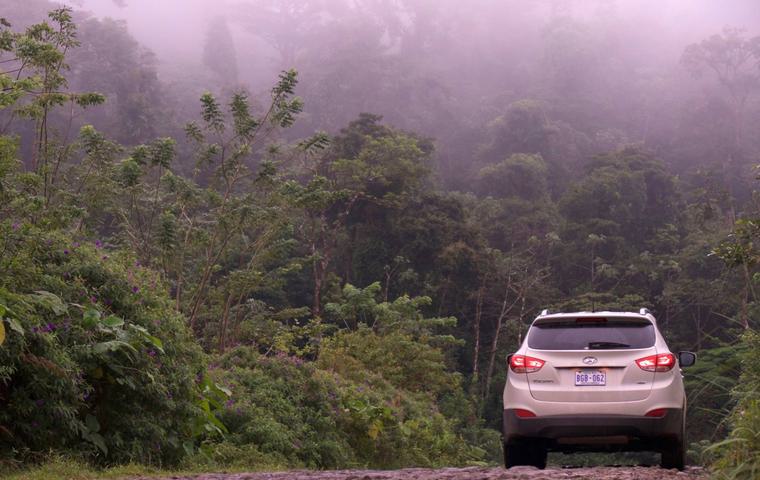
603, 345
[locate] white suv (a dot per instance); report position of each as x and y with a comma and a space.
603, 381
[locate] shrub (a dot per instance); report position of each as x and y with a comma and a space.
309, 415
740, 452
95, 360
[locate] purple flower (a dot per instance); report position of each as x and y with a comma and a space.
51, 327
135, 289
98, 244
15, 225
105, 257
65, 252
86, 395
230, 402
75, 245
152, 353
35, 329
94, 299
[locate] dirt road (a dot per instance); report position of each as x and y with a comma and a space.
517, 473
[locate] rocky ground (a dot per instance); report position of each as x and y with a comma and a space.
475, 473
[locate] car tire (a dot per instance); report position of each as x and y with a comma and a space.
674, 453
515, 455
539, 454
528, 453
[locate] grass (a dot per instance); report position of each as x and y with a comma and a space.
67, 469
61, 468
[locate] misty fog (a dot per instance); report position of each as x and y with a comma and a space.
320, 192
591, 75
442, 67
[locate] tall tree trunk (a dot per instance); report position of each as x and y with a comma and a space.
225, 322
201, 291
348, 275
476, 350
505, 309
316, 307
747, 295
442, 301
320, 272
492, 358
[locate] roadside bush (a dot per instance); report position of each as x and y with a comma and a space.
740, 452
308, 415
400, 359
95, 361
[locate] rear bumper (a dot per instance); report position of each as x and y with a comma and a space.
570, 431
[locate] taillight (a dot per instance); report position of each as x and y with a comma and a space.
657, 412
591, 320
524, 413
657, 363
525, 364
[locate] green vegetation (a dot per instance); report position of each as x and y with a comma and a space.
237, 294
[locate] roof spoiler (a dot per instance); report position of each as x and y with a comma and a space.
643, 311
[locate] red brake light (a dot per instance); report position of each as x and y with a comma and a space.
657, 412
591, 320
657, 363
525, 364
524, 413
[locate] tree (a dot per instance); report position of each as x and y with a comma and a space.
112, 62
33, 78
219, 53
734, 60
516, 278
369, 171
624, 207
186, 229
739, 251
289, 26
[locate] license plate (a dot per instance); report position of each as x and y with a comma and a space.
585, 378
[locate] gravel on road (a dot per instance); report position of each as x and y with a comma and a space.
473, 473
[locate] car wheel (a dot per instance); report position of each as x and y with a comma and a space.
539, 454
526, 453
515, 455
674, 454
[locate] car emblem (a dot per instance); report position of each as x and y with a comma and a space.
589, 360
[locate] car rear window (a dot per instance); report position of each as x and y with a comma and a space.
591, 334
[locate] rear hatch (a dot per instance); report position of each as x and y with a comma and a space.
591, 359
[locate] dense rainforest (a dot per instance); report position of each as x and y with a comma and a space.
329, 271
